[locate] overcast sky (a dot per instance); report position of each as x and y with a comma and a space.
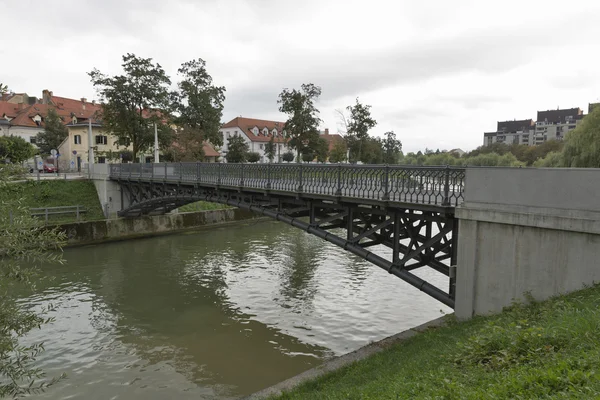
438, 73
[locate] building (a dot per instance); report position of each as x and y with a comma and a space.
549, 125
511, 132
554, 124
257, 133
210, 154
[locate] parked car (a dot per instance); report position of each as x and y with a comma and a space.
48, 168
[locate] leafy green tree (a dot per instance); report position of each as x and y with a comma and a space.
24, 245
288, 156
271, 149
16, 149
308, 154
134, 101
55, 132
359, 124
187, 145
237, 149
301, 127
199, 103
391, 148
3, 88
339, 152
582, 144
253, 157
552, 160
372, 151
322, 150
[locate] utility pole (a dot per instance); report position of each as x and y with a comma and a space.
155, 144
91, 148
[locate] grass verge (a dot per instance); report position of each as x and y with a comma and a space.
56, 193
547, 350
202, 206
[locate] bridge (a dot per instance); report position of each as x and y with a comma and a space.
498, 234
410, 210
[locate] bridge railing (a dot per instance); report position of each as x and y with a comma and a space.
410, 184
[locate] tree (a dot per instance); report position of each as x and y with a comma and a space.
339, 152
308, 154
303, 122
288, 156
16, 149
3, 88
391, 148
359, 124
55, 132
237, 149
24, 245
582, 144
253, 157
271, 149
133, 102
198, 103
187, 145
372, 151
322, 150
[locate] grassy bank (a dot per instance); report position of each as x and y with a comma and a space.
56, 193
545, 350
202, 206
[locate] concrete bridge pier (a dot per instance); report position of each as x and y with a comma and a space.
112, 198
524, 231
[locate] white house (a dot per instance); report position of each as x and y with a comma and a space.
257, 133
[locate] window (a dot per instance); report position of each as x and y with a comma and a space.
102, 160
77, 139
226, 134
101, 139
33, 140
265, 131
261, 146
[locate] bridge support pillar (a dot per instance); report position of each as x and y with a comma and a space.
111, 195
525, 231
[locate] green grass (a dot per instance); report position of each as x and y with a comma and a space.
202, 206
55, 193
548, 350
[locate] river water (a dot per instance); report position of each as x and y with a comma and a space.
213, 314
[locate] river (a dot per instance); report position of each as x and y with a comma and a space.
213, 314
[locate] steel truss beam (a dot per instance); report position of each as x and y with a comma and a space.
408, 232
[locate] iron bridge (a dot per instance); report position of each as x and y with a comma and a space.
410, 210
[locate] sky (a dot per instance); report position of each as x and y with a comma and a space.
438, 73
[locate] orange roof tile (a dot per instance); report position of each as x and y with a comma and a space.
209, 151
9, 109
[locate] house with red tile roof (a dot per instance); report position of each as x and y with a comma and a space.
257, 133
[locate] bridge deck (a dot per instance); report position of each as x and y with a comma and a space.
437, 187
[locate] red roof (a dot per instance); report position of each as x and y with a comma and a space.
247, 124
332, 139
9, 109
209, 151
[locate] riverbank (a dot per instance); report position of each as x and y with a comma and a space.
101, 231
549, 349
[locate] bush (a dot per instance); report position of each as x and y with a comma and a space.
253, 157
288, 157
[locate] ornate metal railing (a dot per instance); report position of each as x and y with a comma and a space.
443, 186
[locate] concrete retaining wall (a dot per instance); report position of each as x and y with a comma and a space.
119, 229
524, 231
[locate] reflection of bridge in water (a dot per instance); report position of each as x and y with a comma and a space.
408, 209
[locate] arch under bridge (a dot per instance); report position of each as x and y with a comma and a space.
410, 210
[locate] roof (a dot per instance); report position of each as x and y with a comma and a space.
515, 125
247, 124
559, 116
332, 139
209, 151
9, 109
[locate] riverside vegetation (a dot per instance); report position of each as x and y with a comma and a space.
548, 350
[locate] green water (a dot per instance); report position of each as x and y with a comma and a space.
213, 314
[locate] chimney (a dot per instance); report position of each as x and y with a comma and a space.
93, 102
83, 100
46, 96
327, 131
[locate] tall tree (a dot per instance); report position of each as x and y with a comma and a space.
271, 149
582, 144
3, 88
199, 103
303, 120
339, 152
54, 133
24, 245
392, 147
359, 124
16, 149
237, 149
188, 146
134, 101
